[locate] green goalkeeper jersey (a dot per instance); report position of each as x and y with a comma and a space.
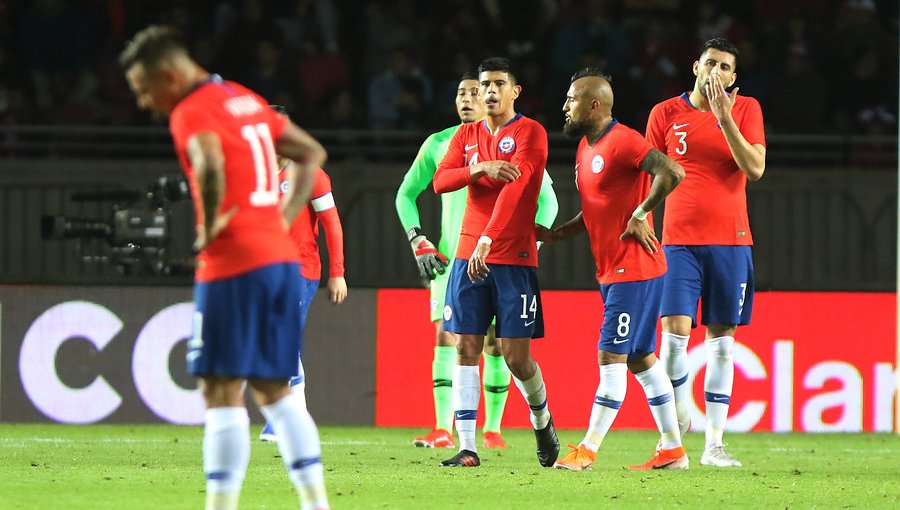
453, 204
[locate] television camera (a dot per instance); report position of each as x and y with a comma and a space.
138, 237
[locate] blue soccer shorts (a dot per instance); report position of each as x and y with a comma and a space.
630, 314
720, 277
308, 289
510, 293
248, 326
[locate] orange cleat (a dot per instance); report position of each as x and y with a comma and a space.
579, 458
673, 458
437, 438
493, 439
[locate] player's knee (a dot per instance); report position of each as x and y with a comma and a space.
520, 364
718, 330
642, 362
469, 348
677, 324
222, 392
269, 391
720, 347
447, 339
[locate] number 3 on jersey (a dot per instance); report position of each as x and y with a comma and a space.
681, 150
264, 164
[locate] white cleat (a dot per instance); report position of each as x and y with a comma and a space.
717, 456
684, 426
268, 435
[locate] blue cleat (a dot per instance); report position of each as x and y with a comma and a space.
268, 434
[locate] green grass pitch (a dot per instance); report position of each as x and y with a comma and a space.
101, 467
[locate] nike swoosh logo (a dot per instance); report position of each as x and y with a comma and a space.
529, 323
470, 147
664, 466
719, 399
679, 126
617, 341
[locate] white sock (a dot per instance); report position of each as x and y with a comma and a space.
609, 397
673, 355
298, 442
226, 453
298, 384
536, 395
717, 386
658, 389
466, 395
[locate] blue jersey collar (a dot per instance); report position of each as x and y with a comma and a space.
687, 99
517, 117
608, 128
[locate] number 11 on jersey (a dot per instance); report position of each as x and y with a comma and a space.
264, 164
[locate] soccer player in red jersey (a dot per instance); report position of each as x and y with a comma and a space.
613, 169
247, 278
501, 159
718, 138
305, 233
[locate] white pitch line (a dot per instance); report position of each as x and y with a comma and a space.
823, 450
25, 441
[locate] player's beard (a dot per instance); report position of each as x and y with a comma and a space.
573, 129
702, 87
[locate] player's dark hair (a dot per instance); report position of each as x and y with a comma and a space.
591, 71
468, 75
151, 45
279, 108
501, 64
722, 45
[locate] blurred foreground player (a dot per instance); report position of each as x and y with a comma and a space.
247, 277
305, 233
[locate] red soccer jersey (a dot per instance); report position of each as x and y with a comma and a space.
710, 205
611, 184
305, 230
247, 128
502, 211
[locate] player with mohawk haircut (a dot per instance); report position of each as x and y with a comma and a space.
613, 170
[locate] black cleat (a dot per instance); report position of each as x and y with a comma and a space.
465, 458
547, 444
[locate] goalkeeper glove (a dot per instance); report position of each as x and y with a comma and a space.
428, 258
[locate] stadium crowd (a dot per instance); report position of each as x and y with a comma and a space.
818, 66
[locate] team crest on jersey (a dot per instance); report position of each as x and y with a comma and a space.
506, 145
448, 312
284, 187
597, 164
